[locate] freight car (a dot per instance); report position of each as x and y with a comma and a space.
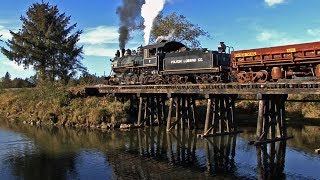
277, 63
170, 62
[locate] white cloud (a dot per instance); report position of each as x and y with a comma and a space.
273, 2
5, 33
12, 65
100, 35
314, 32
265, 36
103, 41
95, 50
276, 38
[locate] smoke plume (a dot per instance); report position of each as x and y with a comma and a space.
149, 12
128, 13
167, 38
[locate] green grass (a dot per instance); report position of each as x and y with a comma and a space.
43, 103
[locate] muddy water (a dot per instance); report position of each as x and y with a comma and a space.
56, 153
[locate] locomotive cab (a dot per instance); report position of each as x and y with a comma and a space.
223, 59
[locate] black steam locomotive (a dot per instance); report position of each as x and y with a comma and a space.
170, 62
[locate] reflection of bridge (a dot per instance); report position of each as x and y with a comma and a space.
150, 151
177, 103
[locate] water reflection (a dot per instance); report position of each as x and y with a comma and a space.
149, 153
271, 160
213, 156
220, 154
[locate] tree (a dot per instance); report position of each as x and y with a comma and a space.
47, 42
6, 81
182, 30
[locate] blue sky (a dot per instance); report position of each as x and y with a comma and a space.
242, 24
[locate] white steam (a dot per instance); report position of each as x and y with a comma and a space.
167, 38
149, 12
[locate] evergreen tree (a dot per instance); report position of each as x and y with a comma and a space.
6, 80
47, 42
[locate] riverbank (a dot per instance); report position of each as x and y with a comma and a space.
55, 104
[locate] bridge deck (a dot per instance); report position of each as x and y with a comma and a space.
306, 87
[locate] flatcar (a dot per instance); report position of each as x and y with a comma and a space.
277, 63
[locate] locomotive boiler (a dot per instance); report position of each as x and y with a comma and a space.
170, 62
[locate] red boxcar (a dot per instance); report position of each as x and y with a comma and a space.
279, 62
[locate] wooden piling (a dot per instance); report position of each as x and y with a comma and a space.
178, 100
272, 117
222, 115
183, 112
163, 108
193, 109
206, 125
140, 111
159, 117
260, 117
169, 113
151, 111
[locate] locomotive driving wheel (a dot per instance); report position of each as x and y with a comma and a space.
198, 79
175, 79
263, 76
241, 77
141, 79
159, 80
127, 79
134, 78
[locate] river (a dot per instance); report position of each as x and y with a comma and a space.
29, 152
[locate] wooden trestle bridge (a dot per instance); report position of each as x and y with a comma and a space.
148, 103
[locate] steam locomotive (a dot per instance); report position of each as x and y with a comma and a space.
170, 62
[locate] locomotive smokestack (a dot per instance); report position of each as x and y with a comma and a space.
128, 13
122, 52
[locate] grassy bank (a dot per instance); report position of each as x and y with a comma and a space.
53, 104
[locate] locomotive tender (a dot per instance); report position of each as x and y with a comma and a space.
170, 62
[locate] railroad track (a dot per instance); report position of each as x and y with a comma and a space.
301, 87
